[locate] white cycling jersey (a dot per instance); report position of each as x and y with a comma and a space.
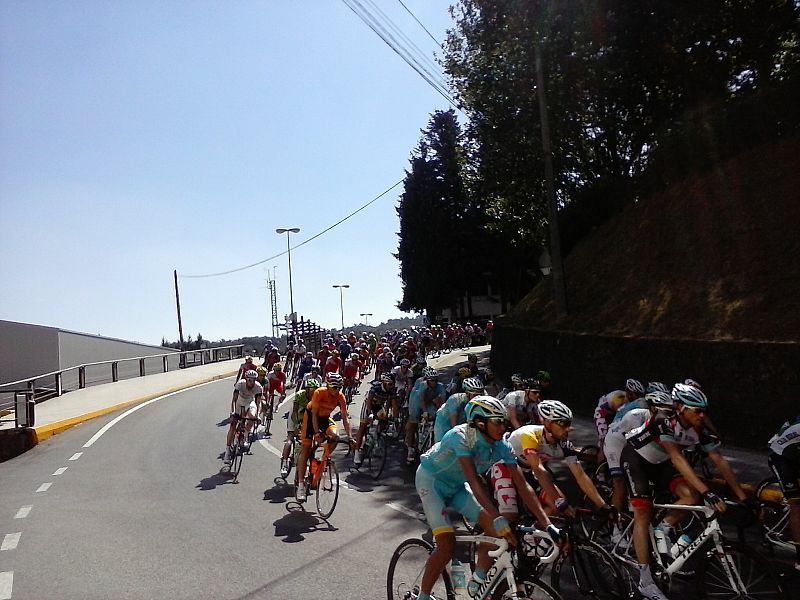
615, 438
246, 396
401, 380
787, 435
300, 349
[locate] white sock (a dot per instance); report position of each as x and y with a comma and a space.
645, 576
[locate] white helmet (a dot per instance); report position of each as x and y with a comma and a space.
430, 373
473, 385
553, 410
635, 386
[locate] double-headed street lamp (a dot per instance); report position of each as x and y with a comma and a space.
281, 230
341, 300
367, 315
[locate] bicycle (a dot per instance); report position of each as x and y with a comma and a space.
721, 568
504, 580
424, 433
374, 447
238, 446
322, 476
350, 386
773, 516
289, 462
267, 412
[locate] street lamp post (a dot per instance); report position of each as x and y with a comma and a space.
341, 300
282, 230
366, 320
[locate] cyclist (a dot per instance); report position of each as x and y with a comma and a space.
464, 452
273, 356
784, 460
521, 405
452, 412
426, 396
455, 385
517, 383
402, 383
333, 364
245, 402
247, 365
609, 404
380, 395
641, 402
318, 425
352, 371
653, 453
299, 353
536, 447
416, 370
301, 400
490, 382
384, 362
472, 365
304, 367
277, 383
545, 382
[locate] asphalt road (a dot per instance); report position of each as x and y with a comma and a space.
144, 512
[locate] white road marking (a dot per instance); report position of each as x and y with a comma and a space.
10, 541
44, 487
60, 471
109, 425
23, 512
6, 583
76, 456
409, 512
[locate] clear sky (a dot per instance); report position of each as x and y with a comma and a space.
140, 136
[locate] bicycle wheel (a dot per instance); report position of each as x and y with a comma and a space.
404, 577
328, 490
268, 418
237, 455
376, 460
530, 589
738, 573
288, 463
587, 569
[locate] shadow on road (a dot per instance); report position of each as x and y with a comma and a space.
279, 492
210, 483
293, 526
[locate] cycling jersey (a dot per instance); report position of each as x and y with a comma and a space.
424, 393
379, 394
401, 379
351, 370
648, 438
607, 406
246, 396
615, 439
325, 400
301, 400
277, 380
304, 367
526, 411
788, 435
529, 440
333, 364
626, 408
453, 406
299, 350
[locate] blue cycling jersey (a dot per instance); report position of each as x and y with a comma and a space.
442, 461
628, 407
453, 406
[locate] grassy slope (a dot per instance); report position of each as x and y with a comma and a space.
716, 256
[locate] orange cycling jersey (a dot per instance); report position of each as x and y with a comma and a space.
325, 400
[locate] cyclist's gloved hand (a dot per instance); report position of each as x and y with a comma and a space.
751, 504
502, 527
714, 501
555, 533
562, 505
608, 513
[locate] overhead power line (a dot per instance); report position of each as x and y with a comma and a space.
324, 231
419, 22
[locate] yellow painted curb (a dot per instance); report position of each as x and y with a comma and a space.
43, 432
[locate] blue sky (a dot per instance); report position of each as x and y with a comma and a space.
140, 137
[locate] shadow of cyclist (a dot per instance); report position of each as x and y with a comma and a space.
292, 527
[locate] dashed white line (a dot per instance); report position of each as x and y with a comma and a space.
6, 583
44, 487
10, 541
76, 456
60, 471
23, 512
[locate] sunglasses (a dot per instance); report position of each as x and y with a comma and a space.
496, 420
695, 410
563, 423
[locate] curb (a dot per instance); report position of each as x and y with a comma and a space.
44, 432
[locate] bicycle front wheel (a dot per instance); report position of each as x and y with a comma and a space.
738, 573
589, 570
404, 578
238, 456
530, 589
328, 490
377, 456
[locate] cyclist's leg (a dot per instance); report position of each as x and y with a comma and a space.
414, 413
788, 475
434, 505
363, 423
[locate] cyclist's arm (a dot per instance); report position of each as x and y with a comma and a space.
529, 496
512, 416
684, 468
724, 468
542, 475
233, 400
586, 485
471, 475
345, 417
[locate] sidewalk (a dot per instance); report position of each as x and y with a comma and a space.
58, 414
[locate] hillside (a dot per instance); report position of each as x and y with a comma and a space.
713, 257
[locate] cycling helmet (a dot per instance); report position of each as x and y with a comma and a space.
334, 352
464, 372
387, 350
430, 373
533, 384
405, 362
277, 367
517, 379
250, 374
261, 371
689, 396
483, 407
472, 358
693, 383
659, 399
635, 386
312, 383
472, 384
309, 355
387, 378
543, 376
421, 360
656, 386
553, 410
334, 380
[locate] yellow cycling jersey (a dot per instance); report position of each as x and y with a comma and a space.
529, 439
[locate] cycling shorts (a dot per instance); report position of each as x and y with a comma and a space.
246, 408
372, 407
415, 409
437, 497
642, 476
307, 428
788, 474
612, 448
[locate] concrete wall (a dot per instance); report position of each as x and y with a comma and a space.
752, 387
26, 350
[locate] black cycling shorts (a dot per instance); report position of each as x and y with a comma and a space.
788, 474
642, 476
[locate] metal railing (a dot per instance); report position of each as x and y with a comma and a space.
20, 396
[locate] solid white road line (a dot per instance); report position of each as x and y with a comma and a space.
44, 487
60, 471
76, 456
406, 511
10, 541
6, 583
23, 512
109, 425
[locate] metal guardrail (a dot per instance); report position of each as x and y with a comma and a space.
20, 396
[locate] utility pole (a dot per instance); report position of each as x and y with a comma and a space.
180, 324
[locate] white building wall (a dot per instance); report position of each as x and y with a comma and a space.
26, 350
